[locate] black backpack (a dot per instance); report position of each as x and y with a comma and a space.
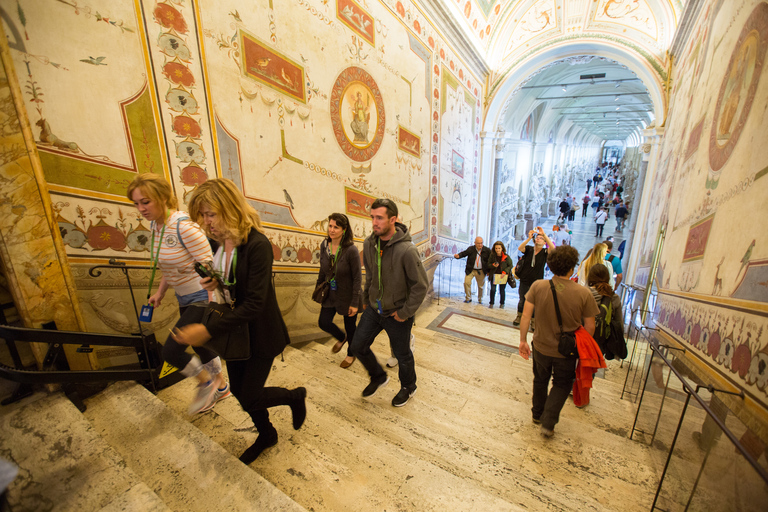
609, 330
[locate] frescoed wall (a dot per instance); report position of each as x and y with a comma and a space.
713, 271
311, 107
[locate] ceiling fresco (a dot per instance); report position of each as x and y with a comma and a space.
505, 28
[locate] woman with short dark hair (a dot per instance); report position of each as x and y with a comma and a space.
340, 265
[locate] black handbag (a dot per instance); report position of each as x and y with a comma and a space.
567, 344
233, 345
321, 292
324, 288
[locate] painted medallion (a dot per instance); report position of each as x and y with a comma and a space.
357, 114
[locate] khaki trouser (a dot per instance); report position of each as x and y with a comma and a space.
479, 276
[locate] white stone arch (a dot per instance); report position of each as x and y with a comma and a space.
520, 74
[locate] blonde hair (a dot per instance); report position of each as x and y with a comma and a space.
236, 216
156, 188
598, 256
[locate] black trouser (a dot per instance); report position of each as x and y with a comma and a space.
325, 322
599, 230
522, 290
571, 214
584, 210
175, 353
247, 379
562, 371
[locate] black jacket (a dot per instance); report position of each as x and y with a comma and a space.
471, 254
255, 299
349, 278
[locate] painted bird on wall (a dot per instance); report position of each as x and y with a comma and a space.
96, 62
288, 198
745, 259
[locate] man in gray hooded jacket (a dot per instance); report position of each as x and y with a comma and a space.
395, 286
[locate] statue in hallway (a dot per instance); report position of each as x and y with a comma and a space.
509, 201
536, 191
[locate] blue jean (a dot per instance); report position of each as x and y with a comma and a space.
562, 371
502, 292
370, 325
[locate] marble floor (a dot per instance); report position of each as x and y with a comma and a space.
465, 441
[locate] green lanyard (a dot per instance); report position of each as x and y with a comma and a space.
223, 273
378, 257
335, 259
157, 257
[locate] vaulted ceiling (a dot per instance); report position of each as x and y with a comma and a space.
514, 40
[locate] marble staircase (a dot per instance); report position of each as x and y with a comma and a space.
465, 441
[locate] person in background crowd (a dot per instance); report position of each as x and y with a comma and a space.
600, 218
477, 268
621, 213
175, 245
597, 257
589, 184
585, 204
499, 263
615, 267
577, 307
395, 286
531, 267
243, 265
340, 259
565, 207
572, 206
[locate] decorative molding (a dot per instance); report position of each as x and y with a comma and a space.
454, 31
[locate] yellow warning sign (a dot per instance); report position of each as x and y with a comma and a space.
167, 370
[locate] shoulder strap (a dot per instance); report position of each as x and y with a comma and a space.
178, 231
610, 258
557, 307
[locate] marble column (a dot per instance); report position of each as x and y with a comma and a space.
488, 176
31, 250
642, 199
497, 171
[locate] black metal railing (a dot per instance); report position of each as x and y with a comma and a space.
698, 472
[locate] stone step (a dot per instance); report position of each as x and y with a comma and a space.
334, 463
182, 465
64, 463
440, 428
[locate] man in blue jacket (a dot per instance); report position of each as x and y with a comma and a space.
395, 286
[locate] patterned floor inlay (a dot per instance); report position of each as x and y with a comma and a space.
491, 332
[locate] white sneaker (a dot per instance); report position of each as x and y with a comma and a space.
204, 397
391, 362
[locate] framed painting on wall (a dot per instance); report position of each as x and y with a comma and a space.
271, 68
357, 203
457, 164
408, 141
357, 19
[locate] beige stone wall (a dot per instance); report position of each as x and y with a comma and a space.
708, 193
263, 93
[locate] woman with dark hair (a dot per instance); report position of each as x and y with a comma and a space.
500, 264
340, 265
602, 291
243, 265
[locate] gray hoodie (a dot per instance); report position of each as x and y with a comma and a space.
405, 280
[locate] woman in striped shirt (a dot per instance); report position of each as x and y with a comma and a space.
177, 243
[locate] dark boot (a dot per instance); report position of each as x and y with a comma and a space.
266, 439
298, 407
